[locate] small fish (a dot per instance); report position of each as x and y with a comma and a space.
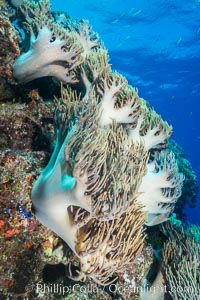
179, 41
131, 10
137, 12
115, 21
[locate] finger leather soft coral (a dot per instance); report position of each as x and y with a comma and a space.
110, 172
54, 50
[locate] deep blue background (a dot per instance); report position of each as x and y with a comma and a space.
156, 45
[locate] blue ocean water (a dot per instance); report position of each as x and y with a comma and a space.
155, 44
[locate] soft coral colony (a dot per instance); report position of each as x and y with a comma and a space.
111, 171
